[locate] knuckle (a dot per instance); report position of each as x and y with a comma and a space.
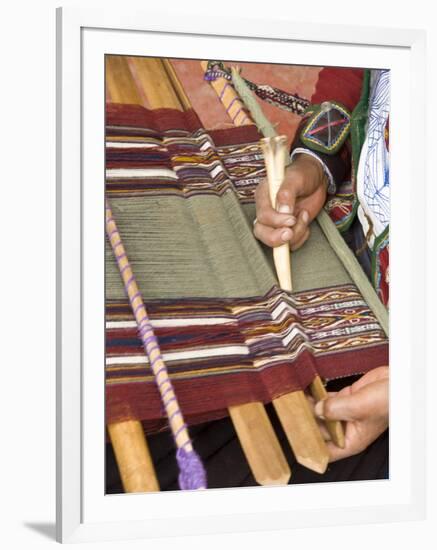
294, 176
270, 240
263, 217
284, 195
263, 235
301, 238
328, 409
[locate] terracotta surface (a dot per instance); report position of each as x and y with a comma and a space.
291, 78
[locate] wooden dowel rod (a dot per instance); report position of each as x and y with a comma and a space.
293, 409
133, 457
260, 444
274, 156
335, 428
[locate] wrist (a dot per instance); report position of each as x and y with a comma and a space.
311, 169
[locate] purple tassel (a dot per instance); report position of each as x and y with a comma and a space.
191, 472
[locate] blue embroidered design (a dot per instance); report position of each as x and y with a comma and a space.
376, 175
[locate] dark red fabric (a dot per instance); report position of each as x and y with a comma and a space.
159, 120
339, 84
344, 86
235, 136
142, 400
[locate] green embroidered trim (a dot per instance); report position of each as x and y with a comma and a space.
317, 113
380, 242
354, 269
344, 223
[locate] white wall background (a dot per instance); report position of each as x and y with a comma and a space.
27, 183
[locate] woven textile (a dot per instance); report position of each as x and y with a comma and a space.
168, 153
183, 201
225, 352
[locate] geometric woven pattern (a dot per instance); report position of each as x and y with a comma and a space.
169, 153
221, 352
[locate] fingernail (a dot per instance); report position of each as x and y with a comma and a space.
305, 216
290, 221
318, 410
284, 209
286, 235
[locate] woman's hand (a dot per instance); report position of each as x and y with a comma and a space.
299, 200
363, 406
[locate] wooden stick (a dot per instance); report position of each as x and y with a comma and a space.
293, 409
302, 431
335, 428
119, 82
276, 148
260, 444
275, 154
275, 164
154, 81
133, 457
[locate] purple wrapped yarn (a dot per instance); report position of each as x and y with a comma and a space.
191, 472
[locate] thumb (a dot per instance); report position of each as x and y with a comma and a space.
288, 193
340, 407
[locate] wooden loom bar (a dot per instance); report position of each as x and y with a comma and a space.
293, 409
260, 445
155, 84
133, 457
120, 85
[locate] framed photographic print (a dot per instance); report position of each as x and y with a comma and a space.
227, 206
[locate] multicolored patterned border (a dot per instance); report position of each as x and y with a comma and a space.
222, 352
174, 155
